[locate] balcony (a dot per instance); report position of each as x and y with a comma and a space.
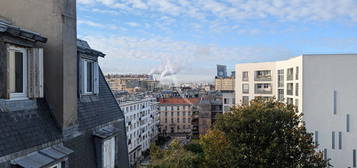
263, 88
264, 75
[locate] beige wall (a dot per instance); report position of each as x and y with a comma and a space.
224, 84
56, 20
175, 113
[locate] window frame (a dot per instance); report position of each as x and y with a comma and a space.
85, 75
111, 143
23, 94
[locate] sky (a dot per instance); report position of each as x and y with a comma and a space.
184, 40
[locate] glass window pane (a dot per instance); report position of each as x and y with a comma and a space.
19, 72
89, 76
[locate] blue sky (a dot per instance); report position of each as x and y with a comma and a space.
183, 40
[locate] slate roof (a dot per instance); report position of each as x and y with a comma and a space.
25, 124
98, 109
5, 26
83, 47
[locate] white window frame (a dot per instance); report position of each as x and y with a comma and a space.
20, 95
109, 153
57, 165
85, 66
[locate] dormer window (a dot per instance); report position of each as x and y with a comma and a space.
89, 77
17, 72
88, 68
22, 73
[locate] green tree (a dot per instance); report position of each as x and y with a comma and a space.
175, 156
268, 133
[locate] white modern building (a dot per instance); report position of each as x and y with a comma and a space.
322, 86
141, 121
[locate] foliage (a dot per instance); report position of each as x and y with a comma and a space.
268, 133
175, 156
161, 140
265, 133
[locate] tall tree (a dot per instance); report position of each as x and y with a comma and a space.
268, 133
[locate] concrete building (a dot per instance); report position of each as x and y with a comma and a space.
176, 115
142, 123
56, 109
323, 88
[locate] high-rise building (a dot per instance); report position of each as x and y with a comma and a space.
221, 71
322, 87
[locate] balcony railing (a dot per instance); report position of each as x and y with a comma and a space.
262, 78
263, 91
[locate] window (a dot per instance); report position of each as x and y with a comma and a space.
297, 89
281, 78
184, 120
90, 81
289, 101
325, 154
263, 75
245, 88
290, 74
316, 138
109, 153
347, 123
334, 102
245, 76
17, 72
225, 100
289, 88
297, 73
339, 140
354, 158
165, 120
245, 100
281, 94
333, 139
178, 120
263, 88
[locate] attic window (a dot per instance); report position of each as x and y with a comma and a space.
89, 77
22, 73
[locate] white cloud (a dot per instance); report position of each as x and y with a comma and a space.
133, 24
100, 25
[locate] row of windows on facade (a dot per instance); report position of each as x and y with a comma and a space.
135, 125
177, 113
265, 75
137, 115
178, 127
178, 120
174, 108
26, 73
136, 107
245, 100
266, 88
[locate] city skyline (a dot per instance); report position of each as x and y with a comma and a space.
189, 38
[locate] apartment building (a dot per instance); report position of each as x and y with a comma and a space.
132, 83
56, 109
176, 115
142, 123
323, 88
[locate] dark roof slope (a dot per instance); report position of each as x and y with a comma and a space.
25, 124
19, 32
97, 110
83, 47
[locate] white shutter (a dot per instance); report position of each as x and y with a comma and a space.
109, 153
35, 73
96, 78
81, 77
